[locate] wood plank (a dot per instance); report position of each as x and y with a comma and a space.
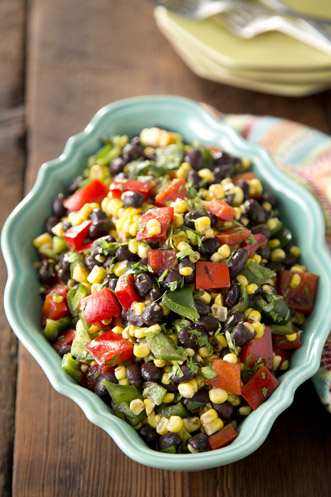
81, 57
12, 163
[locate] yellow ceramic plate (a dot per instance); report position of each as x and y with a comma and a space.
272, 51
208, 69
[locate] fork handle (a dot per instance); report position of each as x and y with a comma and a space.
281, 8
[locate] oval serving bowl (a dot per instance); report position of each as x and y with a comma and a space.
299, 210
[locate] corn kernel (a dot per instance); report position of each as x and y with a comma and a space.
216, 257
207, 175
217, 191
182, 245
57, 299
213, 427
255, 187
218, 299
291, 337
188, 389
295, 281
58, 229
222, 340
276, 362
183, 170
277, 254
141, 350
294, 250
204, 352
140, 332
224, 250
192, 423
274, 243
180, 206
160, 363
200, 381
133, 246
285, 365
178, 220
175, 424
208, 417
149, 406
161, 427
259, 329
251, 289
153, 419
80, 272
169, 397
257, 258
242, 279
231, 357
238, 196
234, 399
138, 308
120, 268
97, 274
218, 395
153, 227
245, 410
165, 380
118, 330
143, 249
44, 239
219, 311
254, 315
202, 224
194, 257
120, 372
185, 271
137, 406
298, 269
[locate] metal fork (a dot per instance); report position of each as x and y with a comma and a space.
201, 9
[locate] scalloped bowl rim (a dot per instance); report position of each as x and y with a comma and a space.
256, 427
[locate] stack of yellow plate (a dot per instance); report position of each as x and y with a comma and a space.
270, 62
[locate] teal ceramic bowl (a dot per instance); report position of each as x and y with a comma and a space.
23, 305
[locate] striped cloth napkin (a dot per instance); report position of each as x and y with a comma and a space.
304, 154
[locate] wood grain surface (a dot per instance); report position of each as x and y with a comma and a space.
60, 61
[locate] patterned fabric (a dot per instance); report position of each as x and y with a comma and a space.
305, 154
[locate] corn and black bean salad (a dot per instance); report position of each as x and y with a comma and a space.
171, 288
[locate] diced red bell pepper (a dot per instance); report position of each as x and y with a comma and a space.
251, 248
233, 236
176, 189
130, 185
110, 347
301, 298
75, 236
52, 309
222, 437
66, 338
125, 291
211, 275
85, 246
165, 216
99, 306
259, 387
283, 343
243, 176
162, 259
257, 349
59, 289
91, 375
221, 209
94, 191
228, 376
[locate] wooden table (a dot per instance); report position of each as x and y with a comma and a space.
61, 61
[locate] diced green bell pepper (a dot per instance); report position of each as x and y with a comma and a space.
123, 411
282, 329
71, 367
284, 236
74, 297
162, 347
54, 327
154, 392
273, 307
172, 410
255, 273
122, 393
181, 302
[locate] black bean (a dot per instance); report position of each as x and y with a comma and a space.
191, 216
117, 165
96, 247
133, 199
150, 153
209, 246
155, 294
131, 152
170, 387
124, 254
64, 275
188, 339
66, 225
100, 388
112, 283
186, 262
150, 372
98, 215
233, 320
221, 158
255, 211
143, 283
50, 223
244, 186
242, 335
75, 184
198, 442
275, 266
212, 217
135, 140
223, 171
194, 177
132, 318
187, 375
224, 410
263, 230
98, 229
152, 314
64, 348
91, 261
202, 308
58, 208
264, 252
232, 296
207, 323
289, 260
148, 434
269, 197
168, 440
238, 261
133, 374
172, 277
46, 272
195, 159
224, 352
198, 400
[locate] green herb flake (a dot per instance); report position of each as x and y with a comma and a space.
208, 372
265, 392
